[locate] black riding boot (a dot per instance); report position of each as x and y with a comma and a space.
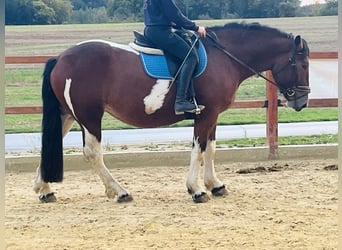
182, 104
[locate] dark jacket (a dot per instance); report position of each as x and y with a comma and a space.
166, 13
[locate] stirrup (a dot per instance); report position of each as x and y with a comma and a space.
199, 108
196, 111
193, 111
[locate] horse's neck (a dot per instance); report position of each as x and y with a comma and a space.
258, 52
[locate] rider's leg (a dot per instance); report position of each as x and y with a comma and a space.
173, 44
182, 104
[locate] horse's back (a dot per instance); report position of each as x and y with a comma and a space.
91, 66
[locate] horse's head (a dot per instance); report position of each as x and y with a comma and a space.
292, 76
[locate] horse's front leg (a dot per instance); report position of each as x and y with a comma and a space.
211, 181
197, 191
94, 154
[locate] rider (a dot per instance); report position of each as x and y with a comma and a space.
160, 16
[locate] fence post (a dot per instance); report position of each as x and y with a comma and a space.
272, 118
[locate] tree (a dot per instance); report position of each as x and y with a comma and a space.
90, 4
120, 10
78, 4
61, 8
330, 8
218, 9
238, 8
13, 7
203, 9
81, 11
288, 8
37, 11
87, 15
43, 14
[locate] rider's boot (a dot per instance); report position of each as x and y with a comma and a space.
182, 104
191, 96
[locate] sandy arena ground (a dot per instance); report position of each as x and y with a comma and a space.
271, 205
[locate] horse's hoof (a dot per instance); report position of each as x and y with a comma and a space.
47, 198
219, 191
200, 198
125, 198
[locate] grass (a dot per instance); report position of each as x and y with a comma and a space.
282, 141
23, 76
32, 123
23, 96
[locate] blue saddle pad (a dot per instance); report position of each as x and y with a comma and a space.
156, 65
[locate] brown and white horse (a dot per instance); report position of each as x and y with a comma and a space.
91, 78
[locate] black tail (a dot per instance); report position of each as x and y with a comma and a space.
51, 165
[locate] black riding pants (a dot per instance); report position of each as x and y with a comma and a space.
171, 43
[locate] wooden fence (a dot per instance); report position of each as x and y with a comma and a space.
271, 103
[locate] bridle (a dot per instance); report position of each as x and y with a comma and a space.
289, 93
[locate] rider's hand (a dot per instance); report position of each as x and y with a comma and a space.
201, 30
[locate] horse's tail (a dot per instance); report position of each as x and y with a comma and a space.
51, 165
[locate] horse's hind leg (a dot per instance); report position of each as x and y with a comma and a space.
41, 187
92, 151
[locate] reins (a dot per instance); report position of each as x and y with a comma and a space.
186, 57
218, 45
289, 93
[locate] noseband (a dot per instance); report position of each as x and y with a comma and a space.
289, 93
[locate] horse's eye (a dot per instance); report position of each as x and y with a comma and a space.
304, 66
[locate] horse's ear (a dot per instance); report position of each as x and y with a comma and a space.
299, 42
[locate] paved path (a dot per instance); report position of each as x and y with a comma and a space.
32, 141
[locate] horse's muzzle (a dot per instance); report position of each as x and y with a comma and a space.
299, 103
300, 108
297, 98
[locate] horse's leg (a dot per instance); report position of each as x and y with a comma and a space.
203, 151
41, 187
211, 181
93, 153
197, 191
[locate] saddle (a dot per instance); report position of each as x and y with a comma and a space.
158, 64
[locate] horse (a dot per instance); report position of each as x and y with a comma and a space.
94, 77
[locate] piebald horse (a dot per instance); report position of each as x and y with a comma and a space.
94, 77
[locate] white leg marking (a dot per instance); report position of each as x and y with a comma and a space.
155, 99
94, 154
210, 179
192, 181
67, 121
67, 95
39, 186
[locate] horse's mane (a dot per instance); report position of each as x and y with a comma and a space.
248, 26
